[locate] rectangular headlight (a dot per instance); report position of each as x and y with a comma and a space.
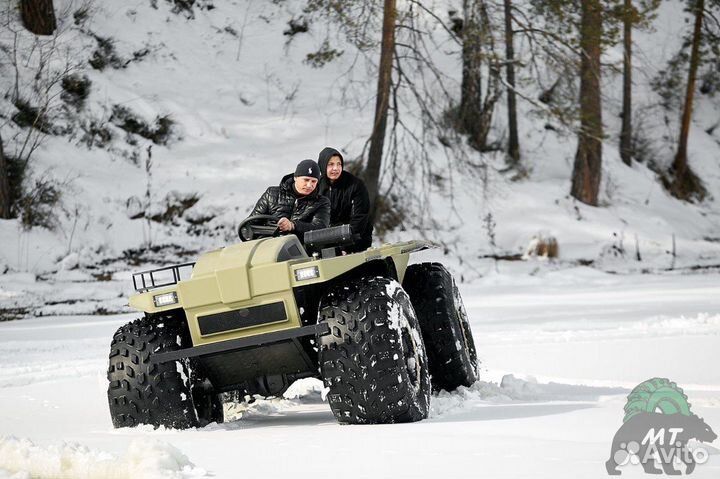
165, 299
304, 274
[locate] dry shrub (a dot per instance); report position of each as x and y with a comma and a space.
542, 245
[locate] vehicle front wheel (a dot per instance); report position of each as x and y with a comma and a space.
144, 392
373, 360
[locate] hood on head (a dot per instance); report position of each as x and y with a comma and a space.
324, 158
287, 180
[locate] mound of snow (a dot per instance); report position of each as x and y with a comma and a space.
145, 458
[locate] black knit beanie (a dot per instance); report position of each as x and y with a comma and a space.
308, 168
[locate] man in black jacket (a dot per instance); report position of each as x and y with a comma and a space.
296, 201
349, 201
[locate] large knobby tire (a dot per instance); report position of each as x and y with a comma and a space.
444, 324
373, 360
143, 392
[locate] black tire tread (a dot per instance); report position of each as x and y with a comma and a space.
140, 391
358, 360
431, 289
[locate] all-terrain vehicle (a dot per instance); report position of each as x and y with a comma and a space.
256, 316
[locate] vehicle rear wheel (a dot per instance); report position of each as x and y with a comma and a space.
144, 392
373, 360
444, 324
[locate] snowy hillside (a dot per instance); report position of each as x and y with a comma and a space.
245, 108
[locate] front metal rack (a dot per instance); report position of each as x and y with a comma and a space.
158, 278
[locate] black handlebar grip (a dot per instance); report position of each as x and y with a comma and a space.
335, 234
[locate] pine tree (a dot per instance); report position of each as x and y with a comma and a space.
632, 17
38, 16
685, 184
513, 142
377, 139
587, 170
4, 186
626, 129
477, 106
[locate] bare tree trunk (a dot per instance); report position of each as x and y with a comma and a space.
587, 170
473, 116
4, 186
684, 182
38, 16
513, 143
377, 140
626, 130
471, 86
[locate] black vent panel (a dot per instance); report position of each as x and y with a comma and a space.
242, 318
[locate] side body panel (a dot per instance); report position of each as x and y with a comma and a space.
228, 283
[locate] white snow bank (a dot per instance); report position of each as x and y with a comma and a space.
659, 326
145, 458
308, 390
304, 394
514, 391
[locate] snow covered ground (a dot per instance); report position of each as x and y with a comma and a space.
576, 341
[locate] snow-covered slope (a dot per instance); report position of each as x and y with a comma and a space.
246, 108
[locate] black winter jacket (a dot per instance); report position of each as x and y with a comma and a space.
308, 213
349, 201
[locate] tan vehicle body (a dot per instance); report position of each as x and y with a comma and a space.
247, 275
252, 318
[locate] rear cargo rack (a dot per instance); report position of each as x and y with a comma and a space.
158, 278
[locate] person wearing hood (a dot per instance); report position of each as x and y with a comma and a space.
296, 201
349, 200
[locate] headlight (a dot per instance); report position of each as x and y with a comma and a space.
304, 274
165, 299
